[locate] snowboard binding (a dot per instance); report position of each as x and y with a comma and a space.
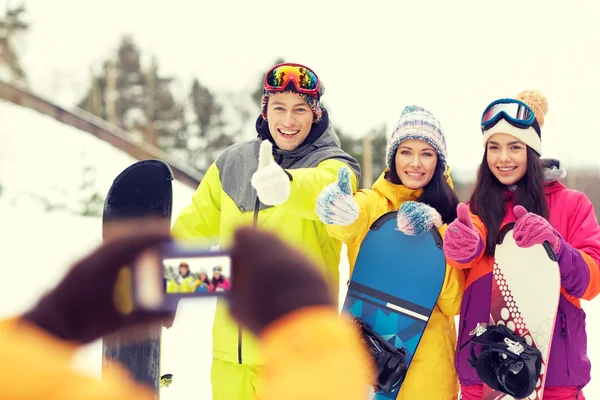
390, 361
166, 380
506, 362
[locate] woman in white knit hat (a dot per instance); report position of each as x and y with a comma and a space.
515, 185
417, 183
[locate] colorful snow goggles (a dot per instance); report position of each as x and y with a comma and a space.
303, 78
513, 111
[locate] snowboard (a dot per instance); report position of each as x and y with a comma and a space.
141, 191
527, 309
394, 287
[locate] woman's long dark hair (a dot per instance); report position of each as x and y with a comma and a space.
215, 281
437, 193
205, 280
488, 198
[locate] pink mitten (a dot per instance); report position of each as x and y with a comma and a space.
531, 229
461, 241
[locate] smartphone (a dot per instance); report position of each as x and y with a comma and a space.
175, 270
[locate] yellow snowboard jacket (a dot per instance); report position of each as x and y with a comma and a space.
432, 374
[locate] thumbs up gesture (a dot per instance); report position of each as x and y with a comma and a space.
462, 242
531, 229
271, 182
335, 205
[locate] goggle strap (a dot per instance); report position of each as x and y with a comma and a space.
535, 125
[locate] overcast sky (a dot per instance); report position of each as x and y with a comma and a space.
450, 57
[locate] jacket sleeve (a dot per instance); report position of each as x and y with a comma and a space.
201, 219
482, 230
310, 351
579, 253
307, 183
39, 366
452, 290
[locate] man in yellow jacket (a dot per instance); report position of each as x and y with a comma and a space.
182, 283
272, 182
309, 352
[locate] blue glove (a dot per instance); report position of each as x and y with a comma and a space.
335, 205
415, 218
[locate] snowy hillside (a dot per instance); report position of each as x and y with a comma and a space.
39, 156
39, 245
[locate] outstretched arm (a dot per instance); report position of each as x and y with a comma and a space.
307, 184
201, 219
294, 190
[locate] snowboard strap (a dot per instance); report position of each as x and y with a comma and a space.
506, 362
390, 361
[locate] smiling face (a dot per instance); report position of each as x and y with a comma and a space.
506, 158
290, 119
184, 269
415, 163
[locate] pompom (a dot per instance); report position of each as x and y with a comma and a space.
537, 102
414, 109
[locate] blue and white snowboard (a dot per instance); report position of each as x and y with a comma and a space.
395, 285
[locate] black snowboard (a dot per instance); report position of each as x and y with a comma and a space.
141, 191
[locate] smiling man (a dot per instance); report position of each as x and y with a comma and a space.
272, 182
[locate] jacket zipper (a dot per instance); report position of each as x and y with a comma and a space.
254, 224
562, 324
464, 323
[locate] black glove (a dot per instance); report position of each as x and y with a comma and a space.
94, 299
270, 279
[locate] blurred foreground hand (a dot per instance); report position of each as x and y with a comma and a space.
308, 351
270, 279
95, 299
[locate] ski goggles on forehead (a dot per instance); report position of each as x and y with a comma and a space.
514, 111
303, 78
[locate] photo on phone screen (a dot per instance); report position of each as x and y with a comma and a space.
196, 274
175, 270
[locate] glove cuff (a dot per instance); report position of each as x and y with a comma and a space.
470, 258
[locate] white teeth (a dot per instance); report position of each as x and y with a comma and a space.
414, 174
289, 133
506, 169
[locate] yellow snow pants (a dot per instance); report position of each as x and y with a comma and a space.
234, 381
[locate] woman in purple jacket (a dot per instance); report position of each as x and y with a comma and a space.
514, 185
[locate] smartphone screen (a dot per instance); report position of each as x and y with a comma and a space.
196, 274
178, 270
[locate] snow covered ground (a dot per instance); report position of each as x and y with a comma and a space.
38, 246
